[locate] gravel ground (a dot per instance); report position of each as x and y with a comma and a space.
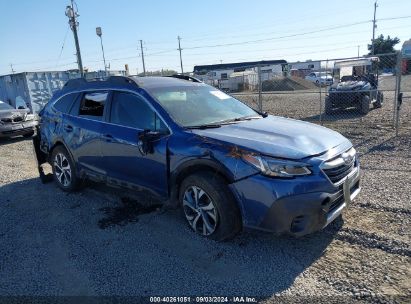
306, 105
100, 241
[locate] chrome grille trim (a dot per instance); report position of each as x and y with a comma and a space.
338, 168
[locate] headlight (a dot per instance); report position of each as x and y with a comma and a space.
277, 167
29, 117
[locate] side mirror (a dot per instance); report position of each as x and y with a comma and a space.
146, 139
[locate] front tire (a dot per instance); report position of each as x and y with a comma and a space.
328, 106
365, 104
379, 100
28, 135
64, 172
209, 206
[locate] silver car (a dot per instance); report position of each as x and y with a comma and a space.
15, 122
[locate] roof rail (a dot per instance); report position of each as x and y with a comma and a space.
185, 77
76, 82
73, 83
121, 80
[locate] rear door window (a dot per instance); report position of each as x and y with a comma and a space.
92, 105
64, 103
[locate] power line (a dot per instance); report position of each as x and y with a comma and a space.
394, 18
296, 54
279, 37
272, 39
62, 47
281, 22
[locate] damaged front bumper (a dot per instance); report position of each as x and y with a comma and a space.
290, 207
15, 129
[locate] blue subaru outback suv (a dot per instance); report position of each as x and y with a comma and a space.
228, 166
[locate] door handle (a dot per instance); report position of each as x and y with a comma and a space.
108, 138
68, 128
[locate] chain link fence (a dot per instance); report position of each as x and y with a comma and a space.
334, 92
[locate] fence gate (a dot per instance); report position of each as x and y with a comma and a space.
403, 92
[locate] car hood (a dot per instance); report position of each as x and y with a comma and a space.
278, 137
351, 85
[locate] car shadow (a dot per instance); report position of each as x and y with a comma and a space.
11, 140
107, 229
338, 114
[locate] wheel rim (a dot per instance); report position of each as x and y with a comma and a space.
62, 169
199, 210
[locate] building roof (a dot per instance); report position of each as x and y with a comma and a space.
236, 65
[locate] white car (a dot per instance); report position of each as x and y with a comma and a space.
320, 78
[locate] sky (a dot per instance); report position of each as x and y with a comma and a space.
35, 35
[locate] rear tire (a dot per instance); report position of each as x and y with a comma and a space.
64, 171
28, 135
379, 100
214, 213
328, 106
365, 104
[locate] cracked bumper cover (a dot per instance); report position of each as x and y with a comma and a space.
25, 127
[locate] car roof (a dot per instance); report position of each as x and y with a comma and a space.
150, 82
130, 82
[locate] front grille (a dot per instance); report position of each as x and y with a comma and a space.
339, 167
338, 173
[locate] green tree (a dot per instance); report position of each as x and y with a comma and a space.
384, 45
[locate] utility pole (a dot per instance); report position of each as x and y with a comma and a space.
142, 57
374, 26
100, 33
358, 51
12, 70
181, 59
72, 15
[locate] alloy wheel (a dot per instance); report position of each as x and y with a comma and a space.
200, 210
62, 169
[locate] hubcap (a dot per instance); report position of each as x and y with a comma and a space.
199, 210
62, 169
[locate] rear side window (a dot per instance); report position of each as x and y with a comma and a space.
64, 103
92, 105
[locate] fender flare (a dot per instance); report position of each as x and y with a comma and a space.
189, 166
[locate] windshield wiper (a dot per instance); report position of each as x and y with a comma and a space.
247, 118
222, 122
205, 126
228, 121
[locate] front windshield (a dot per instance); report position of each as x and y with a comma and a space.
5, 106
200, 105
